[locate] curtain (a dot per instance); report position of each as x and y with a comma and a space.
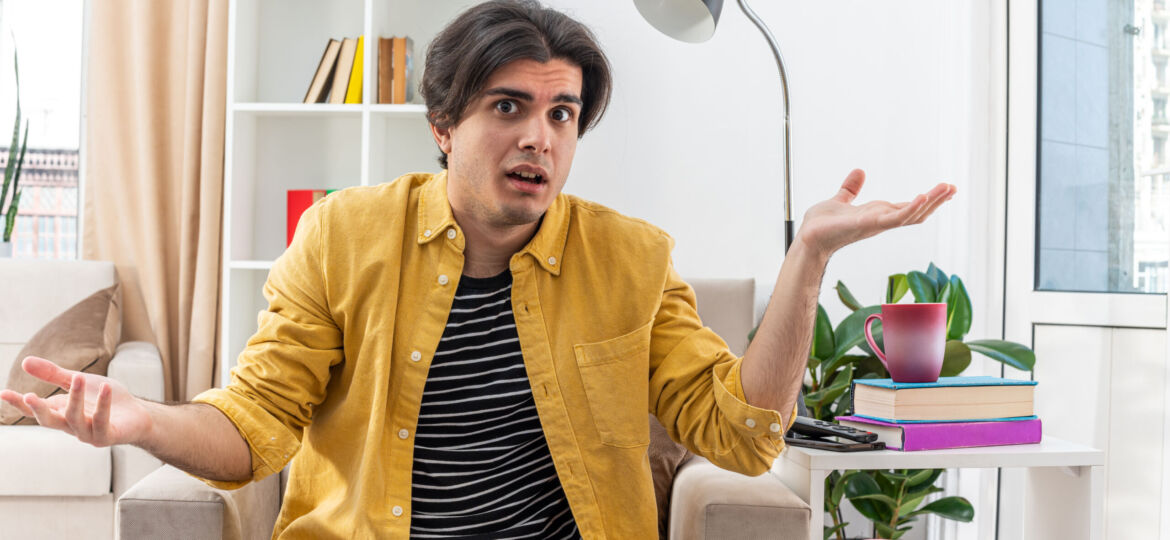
153, 150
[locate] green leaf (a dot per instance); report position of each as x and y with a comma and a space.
850, 333
956, 358
893, 476
864, 484
879, 497
847, 297
885, 531
896, 288
813, 362
918, 477
956, 508
910, 502
823, 345
922, 287
958, 310
12, 148
826, 395
1010, 353
926, 486
938, 276
830, 531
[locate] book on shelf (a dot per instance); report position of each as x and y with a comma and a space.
353, 95
403, 70
300, 200
939, 435
385, 70
948, 399
323, 78
342, 70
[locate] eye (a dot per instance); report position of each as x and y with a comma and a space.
506, 106
562, 114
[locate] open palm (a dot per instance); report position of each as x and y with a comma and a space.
95, 409
836, 223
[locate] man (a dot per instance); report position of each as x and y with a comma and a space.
472, 353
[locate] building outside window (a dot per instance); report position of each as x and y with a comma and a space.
48, 37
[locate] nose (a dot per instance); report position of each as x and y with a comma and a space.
536, 135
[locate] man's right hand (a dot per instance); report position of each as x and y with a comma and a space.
95, 409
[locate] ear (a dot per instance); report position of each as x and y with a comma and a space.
442, 138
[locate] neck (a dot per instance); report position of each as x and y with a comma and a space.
488, 249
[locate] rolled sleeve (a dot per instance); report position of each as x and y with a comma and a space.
697, 392
284, 370
271, 443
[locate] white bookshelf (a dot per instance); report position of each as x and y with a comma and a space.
274, 142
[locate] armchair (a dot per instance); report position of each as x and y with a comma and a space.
51, 485
705, 501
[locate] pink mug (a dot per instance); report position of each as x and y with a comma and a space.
915, 340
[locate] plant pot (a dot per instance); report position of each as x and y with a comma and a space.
5, 250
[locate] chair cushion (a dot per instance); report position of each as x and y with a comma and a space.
83, 338
709, 502
44, 462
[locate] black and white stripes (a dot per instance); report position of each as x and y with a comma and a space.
482, 468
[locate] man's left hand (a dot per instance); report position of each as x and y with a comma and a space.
833, 224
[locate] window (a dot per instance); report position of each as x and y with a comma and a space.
1102, 167
48, 37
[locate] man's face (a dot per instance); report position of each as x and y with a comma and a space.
523, 123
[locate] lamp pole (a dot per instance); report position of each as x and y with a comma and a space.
788, 228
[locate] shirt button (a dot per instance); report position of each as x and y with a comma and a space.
750, 423
402, 434
427, 233
774, 427
416, 356
451, 233
397, 511
443, 279
552, 260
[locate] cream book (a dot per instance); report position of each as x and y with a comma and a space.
949, 399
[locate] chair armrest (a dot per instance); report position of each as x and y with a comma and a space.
138, 366
709, 502
169, 503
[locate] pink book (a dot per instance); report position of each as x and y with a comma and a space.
938, 435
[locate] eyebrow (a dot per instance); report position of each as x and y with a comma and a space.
525, 96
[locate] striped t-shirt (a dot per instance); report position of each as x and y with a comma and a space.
482, 467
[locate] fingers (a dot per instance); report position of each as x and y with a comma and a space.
75, 411
940, 194
851, 186
101, 416
48, 372
46, 416
16, 400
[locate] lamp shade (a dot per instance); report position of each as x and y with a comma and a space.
692, 21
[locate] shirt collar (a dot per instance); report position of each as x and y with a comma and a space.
547, 246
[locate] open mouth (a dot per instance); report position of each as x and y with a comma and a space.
526, 177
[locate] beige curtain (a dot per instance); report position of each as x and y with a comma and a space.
154, 140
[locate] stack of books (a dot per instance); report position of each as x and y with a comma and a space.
338, 78
953, 412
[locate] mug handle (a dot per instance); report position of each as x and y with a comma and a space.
869, 338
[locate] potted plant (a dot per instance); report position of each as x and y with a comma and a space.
12, 173
891, 500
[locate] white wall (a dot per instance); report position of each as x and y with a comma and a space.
692, 141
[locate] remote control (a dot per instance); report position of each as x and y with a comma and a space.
820, 428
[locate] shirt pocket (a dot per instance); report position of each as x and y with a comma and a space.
616, 374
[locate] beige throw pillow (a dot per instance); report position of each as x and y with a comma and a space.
83, 338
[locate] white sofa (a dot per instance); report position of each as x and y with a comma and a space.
706, 502
51, 485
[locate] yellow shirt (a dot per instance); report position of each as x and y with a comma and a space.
608, 331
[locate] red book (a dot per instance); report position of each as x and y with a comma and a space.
937, 435
300, 200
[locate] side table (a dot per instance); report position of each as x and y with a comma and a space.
1065, 479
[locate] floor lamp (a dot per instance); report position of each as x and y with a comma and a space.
694, 21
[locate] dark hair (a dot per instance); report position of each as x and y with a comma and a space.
490, 35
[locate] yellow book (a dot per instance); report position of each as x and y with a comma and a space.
354, 93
